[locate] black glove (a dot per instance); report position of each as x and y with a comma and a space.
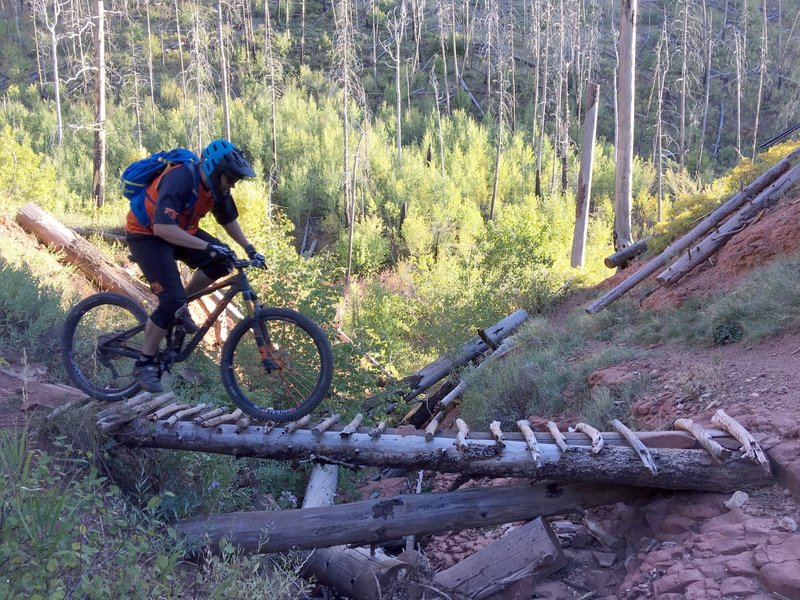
221, 252
259, 259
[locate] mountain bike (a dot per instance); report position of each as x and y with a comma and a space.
276, 364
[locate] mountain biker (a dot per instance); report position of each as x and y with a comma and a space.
174, 234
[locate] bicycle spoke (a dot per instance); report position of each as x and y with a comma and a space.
296, 369
99, 352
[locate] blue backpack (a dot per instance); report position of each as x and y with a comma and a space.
140, 174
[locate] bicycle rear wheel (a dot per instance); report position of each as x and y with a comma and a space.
101, 340
277, 366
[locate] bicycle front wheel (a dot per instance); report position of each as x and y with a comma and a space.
101, 340
277, 366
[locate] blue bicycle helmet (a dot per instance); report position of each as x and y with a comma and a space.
220, 156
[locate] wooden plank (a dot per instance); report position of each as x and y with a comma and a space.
532, 549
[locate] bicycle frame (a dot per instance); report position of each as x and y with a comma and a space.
236, 284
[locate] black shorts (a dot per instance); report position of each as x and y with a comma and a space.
157, 258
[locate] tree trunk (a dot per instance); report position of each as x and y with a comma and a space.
356, 573
740, 68
82, 254
702, 228
677, 468
99, 170
198, 80
226, 111
625, 111
440, 8
386, 519
684, 77
180, 51
584, 196
762, 74
150, 65
270, 58
429, 375
620, 259
711, 244
56, 78
543, 115
532, 549
708, 41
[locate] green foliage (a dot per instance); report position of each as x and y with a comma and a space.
370, 246
25, 176
68, 532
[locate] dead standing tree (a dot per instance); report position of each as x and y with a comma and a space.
99, 170
625, 121
42, 11
345, 62
273, 68
396, 26
584, 195
223, 67
201, 79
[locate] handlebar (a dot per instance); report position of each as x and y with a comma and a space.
241, 263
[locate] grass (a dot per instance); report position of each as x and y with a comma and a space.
67, 531
548, 376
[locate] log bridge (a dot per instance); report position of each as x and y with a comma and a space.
690, 458
567, 471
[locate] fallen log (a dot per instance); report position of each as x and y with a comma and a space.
711, 244
384, 519
436, 406
83, 255
686, 469
621, 258
431, 374
706, 225
532, 549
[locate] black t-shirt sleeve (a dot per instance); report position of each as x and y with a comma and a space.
225, 210
174, 194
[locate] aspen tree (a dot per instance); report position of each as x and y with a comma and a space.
99, 166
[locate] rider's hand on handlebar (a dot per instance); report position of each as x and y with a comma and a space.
259, 260
221, 252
